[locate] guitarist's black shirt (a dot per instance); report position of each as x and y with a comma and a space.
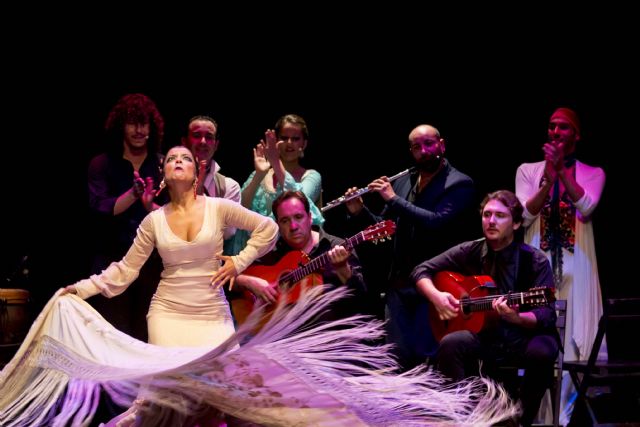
516, 268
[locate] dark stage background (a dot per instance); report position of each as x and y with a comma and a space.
492, 108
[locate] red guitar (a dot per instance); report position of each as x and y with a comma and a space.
294, 271
476, 313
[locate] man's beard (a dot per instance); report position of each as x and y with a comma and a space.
430, 164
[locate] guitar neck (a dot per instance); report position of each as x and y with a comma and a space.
484, 303
318, 262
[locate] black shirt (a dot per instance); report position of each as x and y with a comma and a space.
109, 177
518, 267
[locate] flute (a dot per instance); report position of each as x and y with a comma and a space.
359, 192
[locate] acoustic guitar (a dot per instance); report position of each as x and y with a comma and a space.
295, 271
474, 294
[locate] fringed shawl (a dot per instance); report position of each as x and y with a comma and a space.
288, 374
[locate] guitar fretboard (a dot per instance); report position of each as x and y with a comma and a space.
318, 262
518, 298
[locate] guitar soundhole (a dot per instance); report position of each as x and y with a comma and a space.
464, 305
285, 285
285, 282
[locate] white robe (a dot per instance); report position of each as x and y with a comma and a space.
580, 283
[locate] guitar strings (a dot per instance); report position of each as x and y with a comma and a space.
489, 298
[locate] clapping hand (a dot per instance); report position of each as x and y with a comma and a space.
260, 161
272, 146
138, 185
554, 154
149, 193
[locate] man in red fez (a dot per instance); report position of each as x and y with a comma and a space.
559, 195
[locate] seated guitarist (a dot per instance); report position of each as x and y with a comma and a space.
293, 215
528, 338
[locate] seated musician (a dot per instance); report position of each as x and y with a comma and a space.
528, 338
292, 212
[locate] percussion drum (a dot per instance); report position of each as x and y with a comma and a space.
14, 315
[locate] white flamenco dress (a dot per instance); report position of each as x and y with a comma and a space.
288, 374
185, 310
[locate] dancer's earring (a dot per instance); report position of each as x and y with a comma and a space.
161, 187
195, 188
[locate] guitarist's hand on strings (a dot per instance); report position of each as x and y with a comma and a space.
259, 287
260, 162
226, 273
508, 313
446, 304
339, 257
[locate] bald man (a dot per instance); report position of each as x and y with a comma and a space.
433, 208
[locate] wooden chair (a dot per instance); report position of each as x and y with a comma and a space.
619, 375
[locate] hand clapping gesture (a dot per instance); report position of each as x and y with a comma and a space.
554, 156
272, 147
143, 190
138, 185
149, 194
260, 162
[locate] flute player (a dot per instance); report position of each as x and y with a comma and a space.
433, 208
